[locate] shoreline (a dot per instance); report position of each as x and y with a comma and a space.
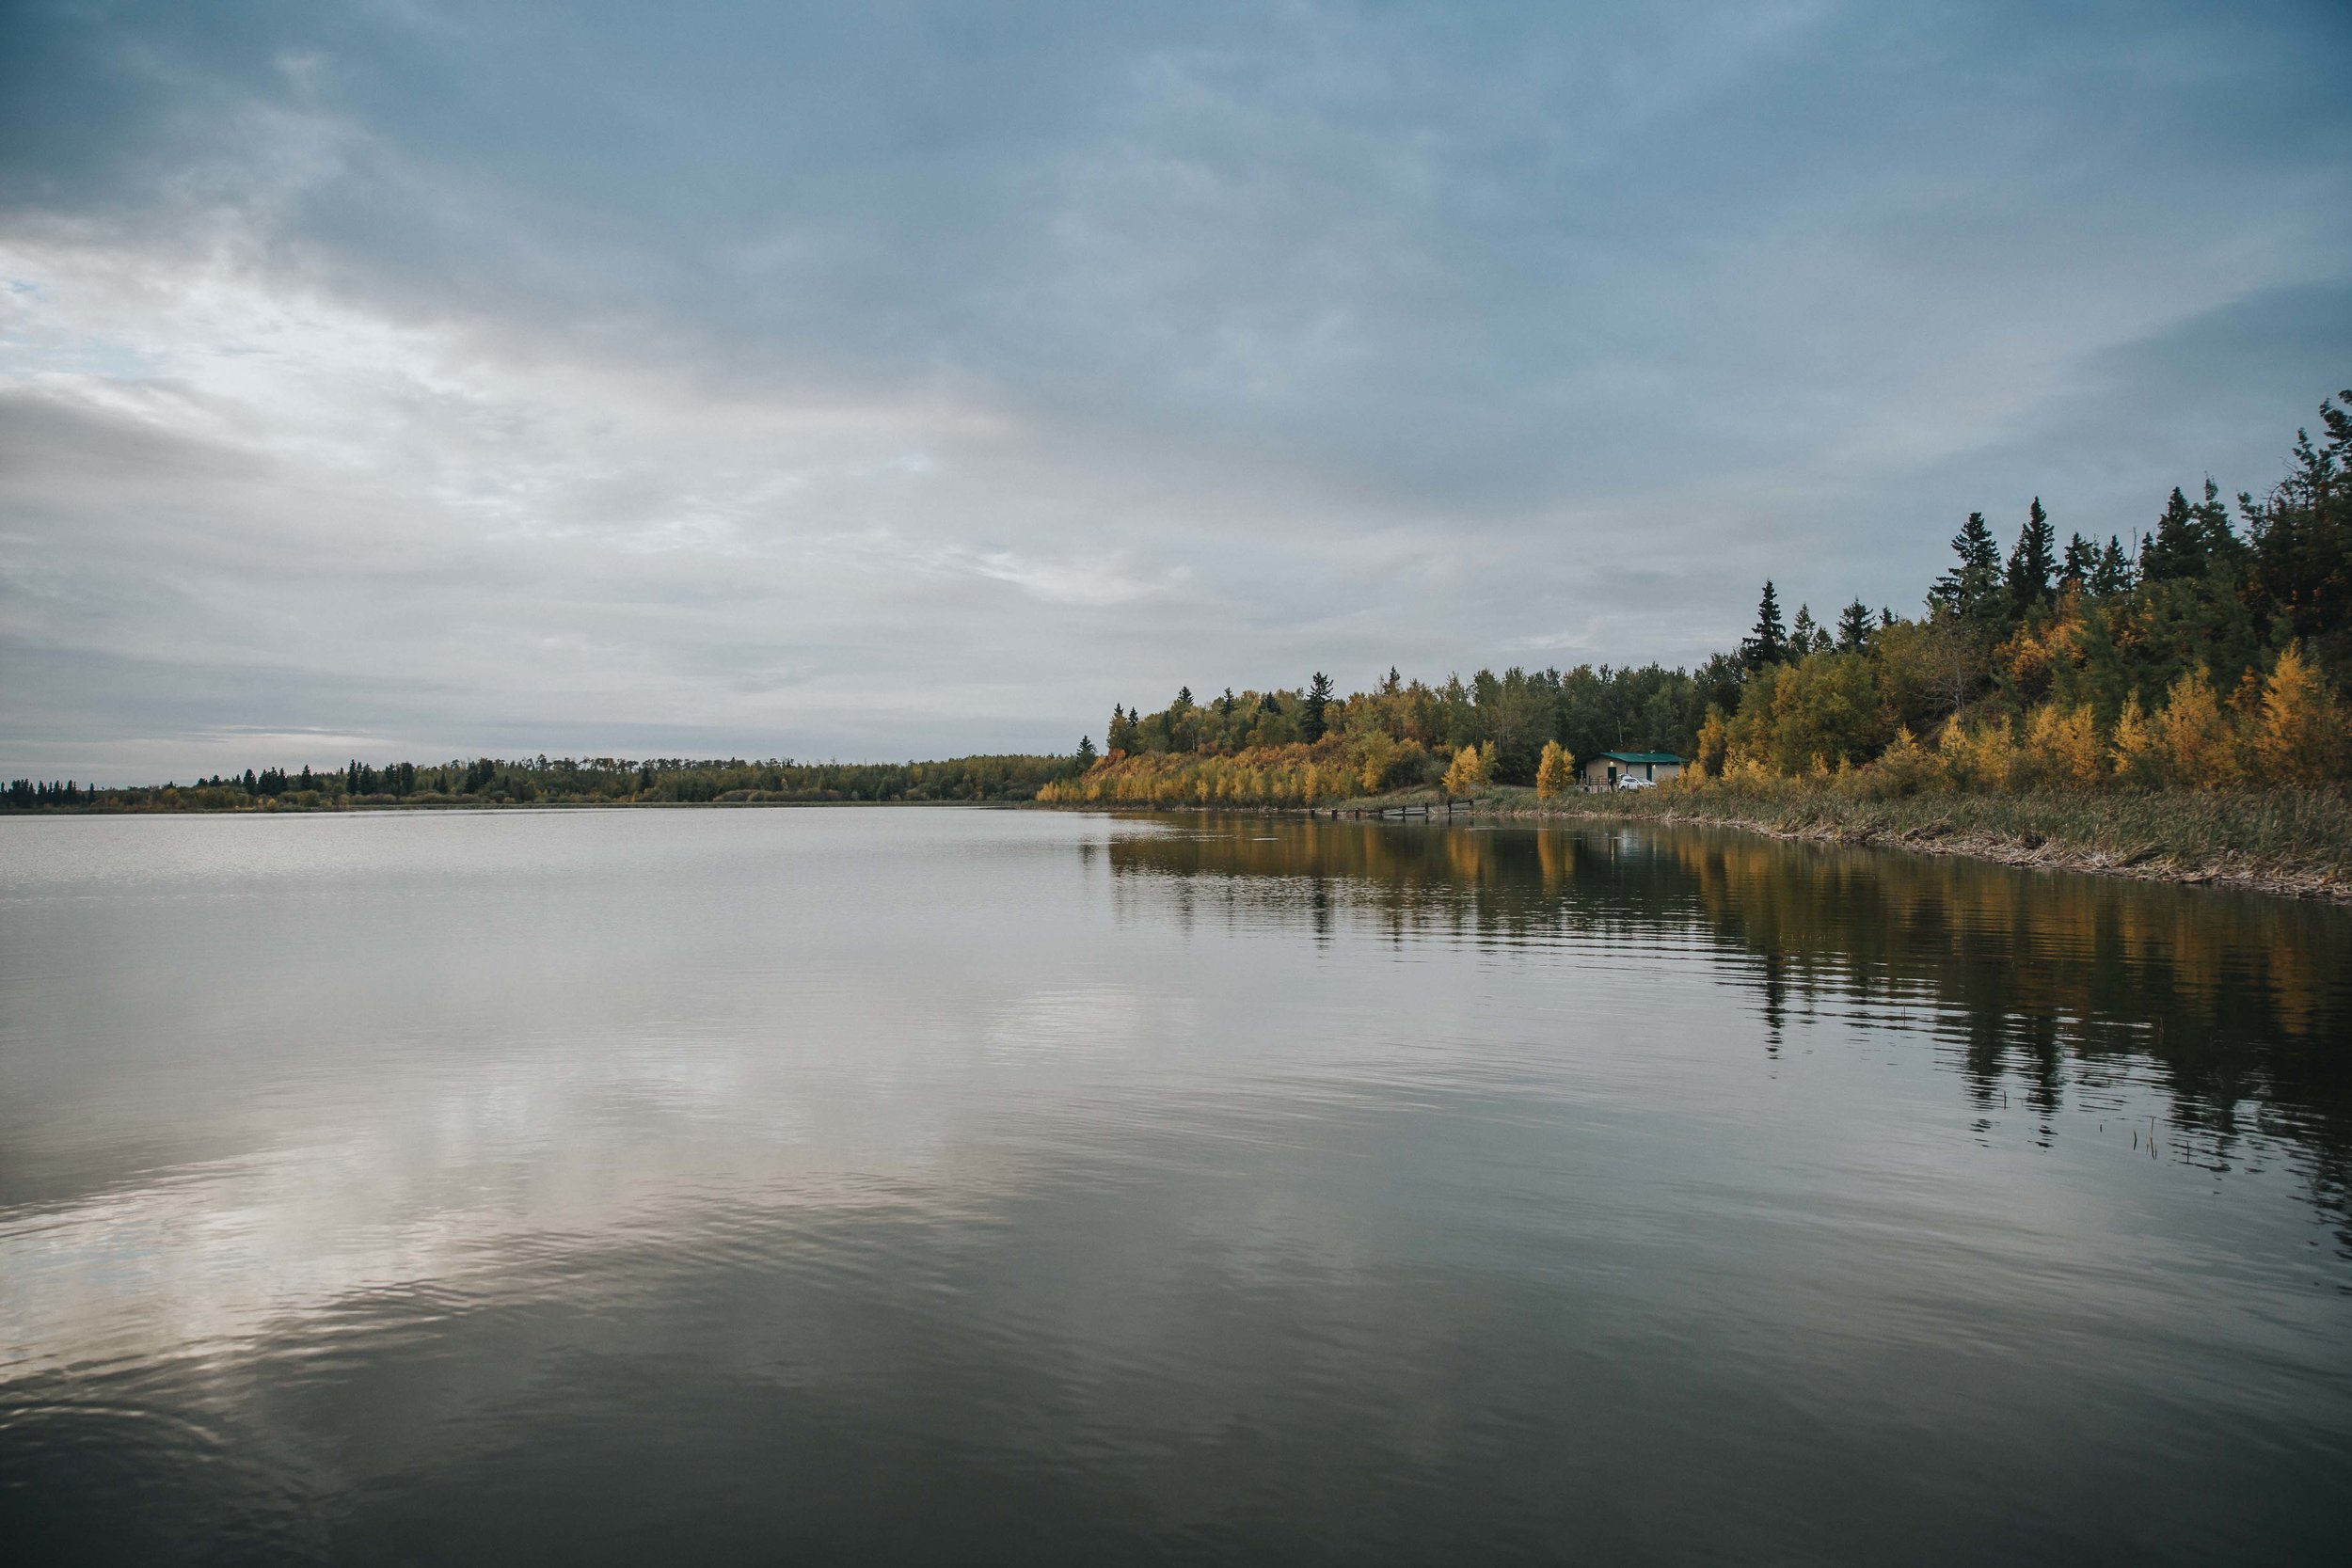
2017, 851
2100, 835
2029, 839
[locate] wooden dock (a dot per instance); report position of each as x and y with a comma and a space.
1425, 811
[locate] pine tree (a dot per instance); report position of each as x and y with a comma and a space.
1800, 632
2031, 562
1318, 697
2081, 561
1968, 589
1768, 644
1853, 628
2177, 549
2113, 574
1086, 753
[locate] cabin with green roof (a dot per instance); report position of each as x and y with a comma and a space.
1610, 769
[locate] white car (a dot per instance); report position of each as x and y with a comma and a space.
1637, 783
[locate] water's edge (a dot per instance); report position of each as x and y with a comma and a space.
2027, 852
2002, 849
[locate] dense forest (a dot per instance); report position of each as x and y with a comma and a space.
567, 781
2212, 652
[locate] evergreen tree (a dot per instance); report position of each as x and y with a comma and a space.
1801, 632
1086, 753
2177, 549
2113, 574
1968, 589
2212, 521
1853, 628
1318, 697
2299, 568
2031, 562
2081, 561
1768, 644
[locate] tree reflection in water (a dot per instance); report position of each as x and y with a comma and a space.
2047, 985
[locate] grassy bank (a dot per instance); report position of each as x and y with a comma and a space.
2284, 839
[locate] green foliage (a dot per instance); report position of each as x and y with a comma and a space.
1972, 588
568, 781
1768, 644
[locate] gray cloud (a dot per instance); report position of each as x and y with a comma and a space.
896, 380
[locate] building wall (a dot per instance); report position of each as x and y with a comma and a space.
1596, 770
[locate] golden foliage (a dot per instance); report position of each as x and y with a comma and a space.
1336, 768
1467, 773
2201, 747
1714, 743
1555, 771
2063, 748
2140, 757
2300, 734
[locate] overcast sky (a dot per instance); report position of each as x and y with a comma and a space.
412, 378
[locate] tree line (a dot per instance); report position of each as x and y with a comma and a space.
2213, 651
569, 781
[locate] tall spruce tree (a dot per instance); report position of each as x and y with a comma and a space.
1318, 698
2080, 561
1972, 587
1853, 628
2113, 574
1768, 644
2031, 562
2177, 547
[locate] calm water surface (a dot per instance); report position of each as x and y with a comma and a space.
936, 1185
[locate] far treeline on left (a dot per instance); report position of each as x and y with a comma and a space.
565, 781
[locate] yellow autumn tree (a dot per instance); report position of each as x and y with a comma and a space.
2300, 735
1714, 742
1985, 757
2201, 749
1905, 768
1555, 770
2139, 748
1467, 772
2063, 748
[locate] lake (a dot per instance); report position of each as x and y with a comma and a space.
937, 1185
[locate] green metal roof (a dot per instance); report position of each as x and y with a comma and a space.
1637, 756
